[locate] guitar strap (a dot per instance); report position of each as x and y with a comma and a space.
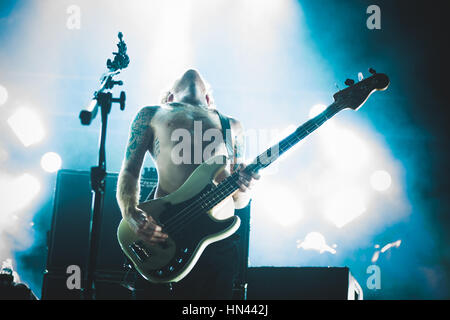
226, 134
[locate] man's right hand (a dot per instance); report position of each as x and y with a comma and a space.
145, 226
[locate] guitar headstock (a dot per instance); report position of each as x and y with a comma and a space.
357, 94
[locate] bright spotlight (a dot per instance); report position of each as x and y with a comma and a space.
380, 180
19, 192
316, 110
286, 212
51, 162
344, 207
315, 241
28, 187
27, 126
347, 149
3, 95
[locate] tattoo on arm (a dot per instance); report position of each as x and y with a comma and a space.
139, 140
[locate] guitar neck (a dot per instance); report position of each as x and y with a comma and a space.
273, 153
229, 185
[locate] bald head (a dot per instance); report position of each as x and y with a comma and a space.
191, 89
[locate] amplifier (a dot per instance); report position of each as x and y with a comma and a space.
68, 239
105, 289
306, 283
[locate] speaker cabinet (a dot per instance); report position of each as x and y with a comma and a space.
56, 289
309, 283
68, 239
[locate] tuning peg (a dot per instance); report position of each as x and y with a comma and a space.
349, 82
372, 71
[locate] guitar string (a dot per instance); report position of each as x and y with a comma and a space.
177, 220
197, 206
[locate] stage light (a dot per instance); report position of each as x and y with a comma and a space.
380, 180
19, 192
391, 245
171, 50
27, 126
286, 212
27, 188
348, 151
316, 110
375, 256
51, 162
3, 95
385, 248
315, 241
344, 207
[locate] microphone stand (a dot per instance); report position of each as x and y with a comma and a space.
103, 99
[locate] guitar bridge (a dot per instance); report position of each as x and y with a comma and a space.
140, 250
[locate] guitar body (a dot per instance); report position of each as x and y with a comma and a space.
189, 234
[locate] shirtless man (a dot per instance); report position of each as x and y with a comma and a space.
186, 106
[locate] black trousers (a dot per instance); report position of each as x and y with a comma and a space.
212, 278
